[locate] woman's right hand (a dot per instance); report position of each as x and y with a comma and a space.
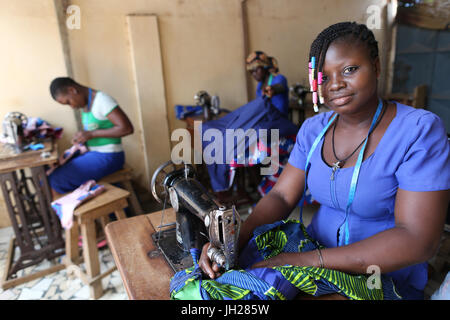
210, 268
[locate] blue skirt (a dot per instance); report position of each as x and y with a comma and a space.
91, 165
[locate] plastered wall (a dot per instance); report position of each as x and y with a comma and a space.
30, 57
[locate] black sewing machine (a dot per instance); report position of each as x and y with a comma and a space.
199, 219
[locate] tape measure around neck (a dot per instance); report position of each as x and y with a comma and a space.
344, 234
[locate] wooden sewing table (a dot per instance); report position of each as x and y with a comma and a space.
145, 272
27, 196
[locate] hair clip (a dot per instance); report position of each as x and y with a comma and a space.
314, 96
310, 76
321, 99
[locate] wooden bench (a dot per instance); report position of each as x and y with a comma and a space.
123, 177
112, 200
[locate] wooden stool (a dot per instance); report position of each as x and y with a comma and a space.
113, 199
124, 178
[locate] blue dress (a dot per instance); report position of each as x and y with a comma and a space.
91, 165
280, 101
412, 155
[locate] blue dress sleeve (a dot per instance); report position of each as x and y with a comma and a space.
426, 161
259, 89
281, 100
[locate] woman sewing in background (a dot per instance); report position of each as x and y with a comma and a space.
104, 123
271, 83
379, 169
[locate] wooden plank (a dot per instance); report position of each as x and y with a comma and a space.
120, 214
61, 16
75, 269
130, 242
110, 194
15, 282
9, 261
118, 176
91, 260
7, 152
106, 209
72, 250
148, 75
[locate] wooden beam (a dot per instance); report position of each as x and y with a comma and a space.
60, 11
147, 67
245, 47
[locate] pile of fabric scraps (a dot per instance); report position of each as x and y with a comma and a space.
66, 205
37, 128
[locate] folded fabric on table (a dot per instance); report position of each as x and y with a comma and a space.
181, 112
66, 205
277, 283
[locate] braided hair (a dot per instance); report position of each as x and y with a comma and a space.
319, 47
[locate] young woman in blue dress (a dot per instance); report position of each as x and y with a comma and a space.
379, 169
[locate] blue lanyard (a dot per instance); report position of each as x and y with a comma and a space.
89, 99
344, 229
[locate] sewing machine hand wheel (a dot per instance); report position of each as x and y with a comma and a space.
159, 189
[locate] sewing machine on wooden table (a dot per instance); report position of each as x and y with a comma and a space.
149, 249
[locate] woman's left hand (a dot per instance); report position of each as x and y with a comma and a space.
81, 137
279, 260
294, 259
270, 263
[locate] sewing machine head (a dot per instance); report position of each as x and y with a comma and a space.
200, 218
224, 225
12, 134
211, 105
